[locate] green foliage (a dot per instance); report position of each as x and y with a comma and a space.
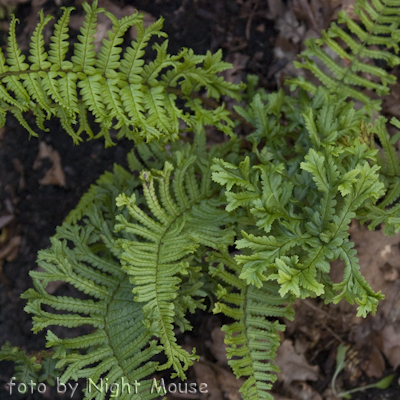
36, 368
378, 33
191, 222
114, 84
252, 339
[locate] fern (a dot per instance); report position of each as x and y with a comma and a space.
390, 173
119, 349
116, 87
252, 339
162, 257
144, 248
380, 28
165, 243
37, 368
309, 222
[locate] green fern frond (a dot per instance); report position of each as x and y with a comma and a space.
167, 240
118, 88
379, 28
36, 368
389, 162
306, 232
253, 338
120, 348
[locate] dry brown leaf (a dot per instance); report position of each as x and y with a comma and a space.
55, 175
218, 347
10, 251
205, 374
275, 8
17, 164
294, 367
302, 391
375, 366
391, 345
229, 384
348, 6
5, 220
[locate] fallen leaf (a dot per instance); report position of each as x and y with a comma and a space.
375, 365
218, 347
303, 391
20, 169
55, 175
348, 6
205, 374
229, 384
10, 251
275, 8
293, 366
5, 220
391, 345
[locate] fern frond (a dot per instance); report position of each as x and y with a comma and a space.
253, 338
389, 162
379, 27
120, 350
59, 42
113, 85
179, 222
306, 226
30, 368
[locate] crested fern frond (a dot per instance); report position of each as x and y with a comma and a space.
253, 338
305, 232
380, 28
36, 368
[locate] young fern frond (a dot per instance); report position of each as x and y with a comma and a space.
380, 28
116, 86
252, 339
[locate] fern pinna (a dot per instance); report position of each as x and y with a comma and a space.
257, 229
120, 90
